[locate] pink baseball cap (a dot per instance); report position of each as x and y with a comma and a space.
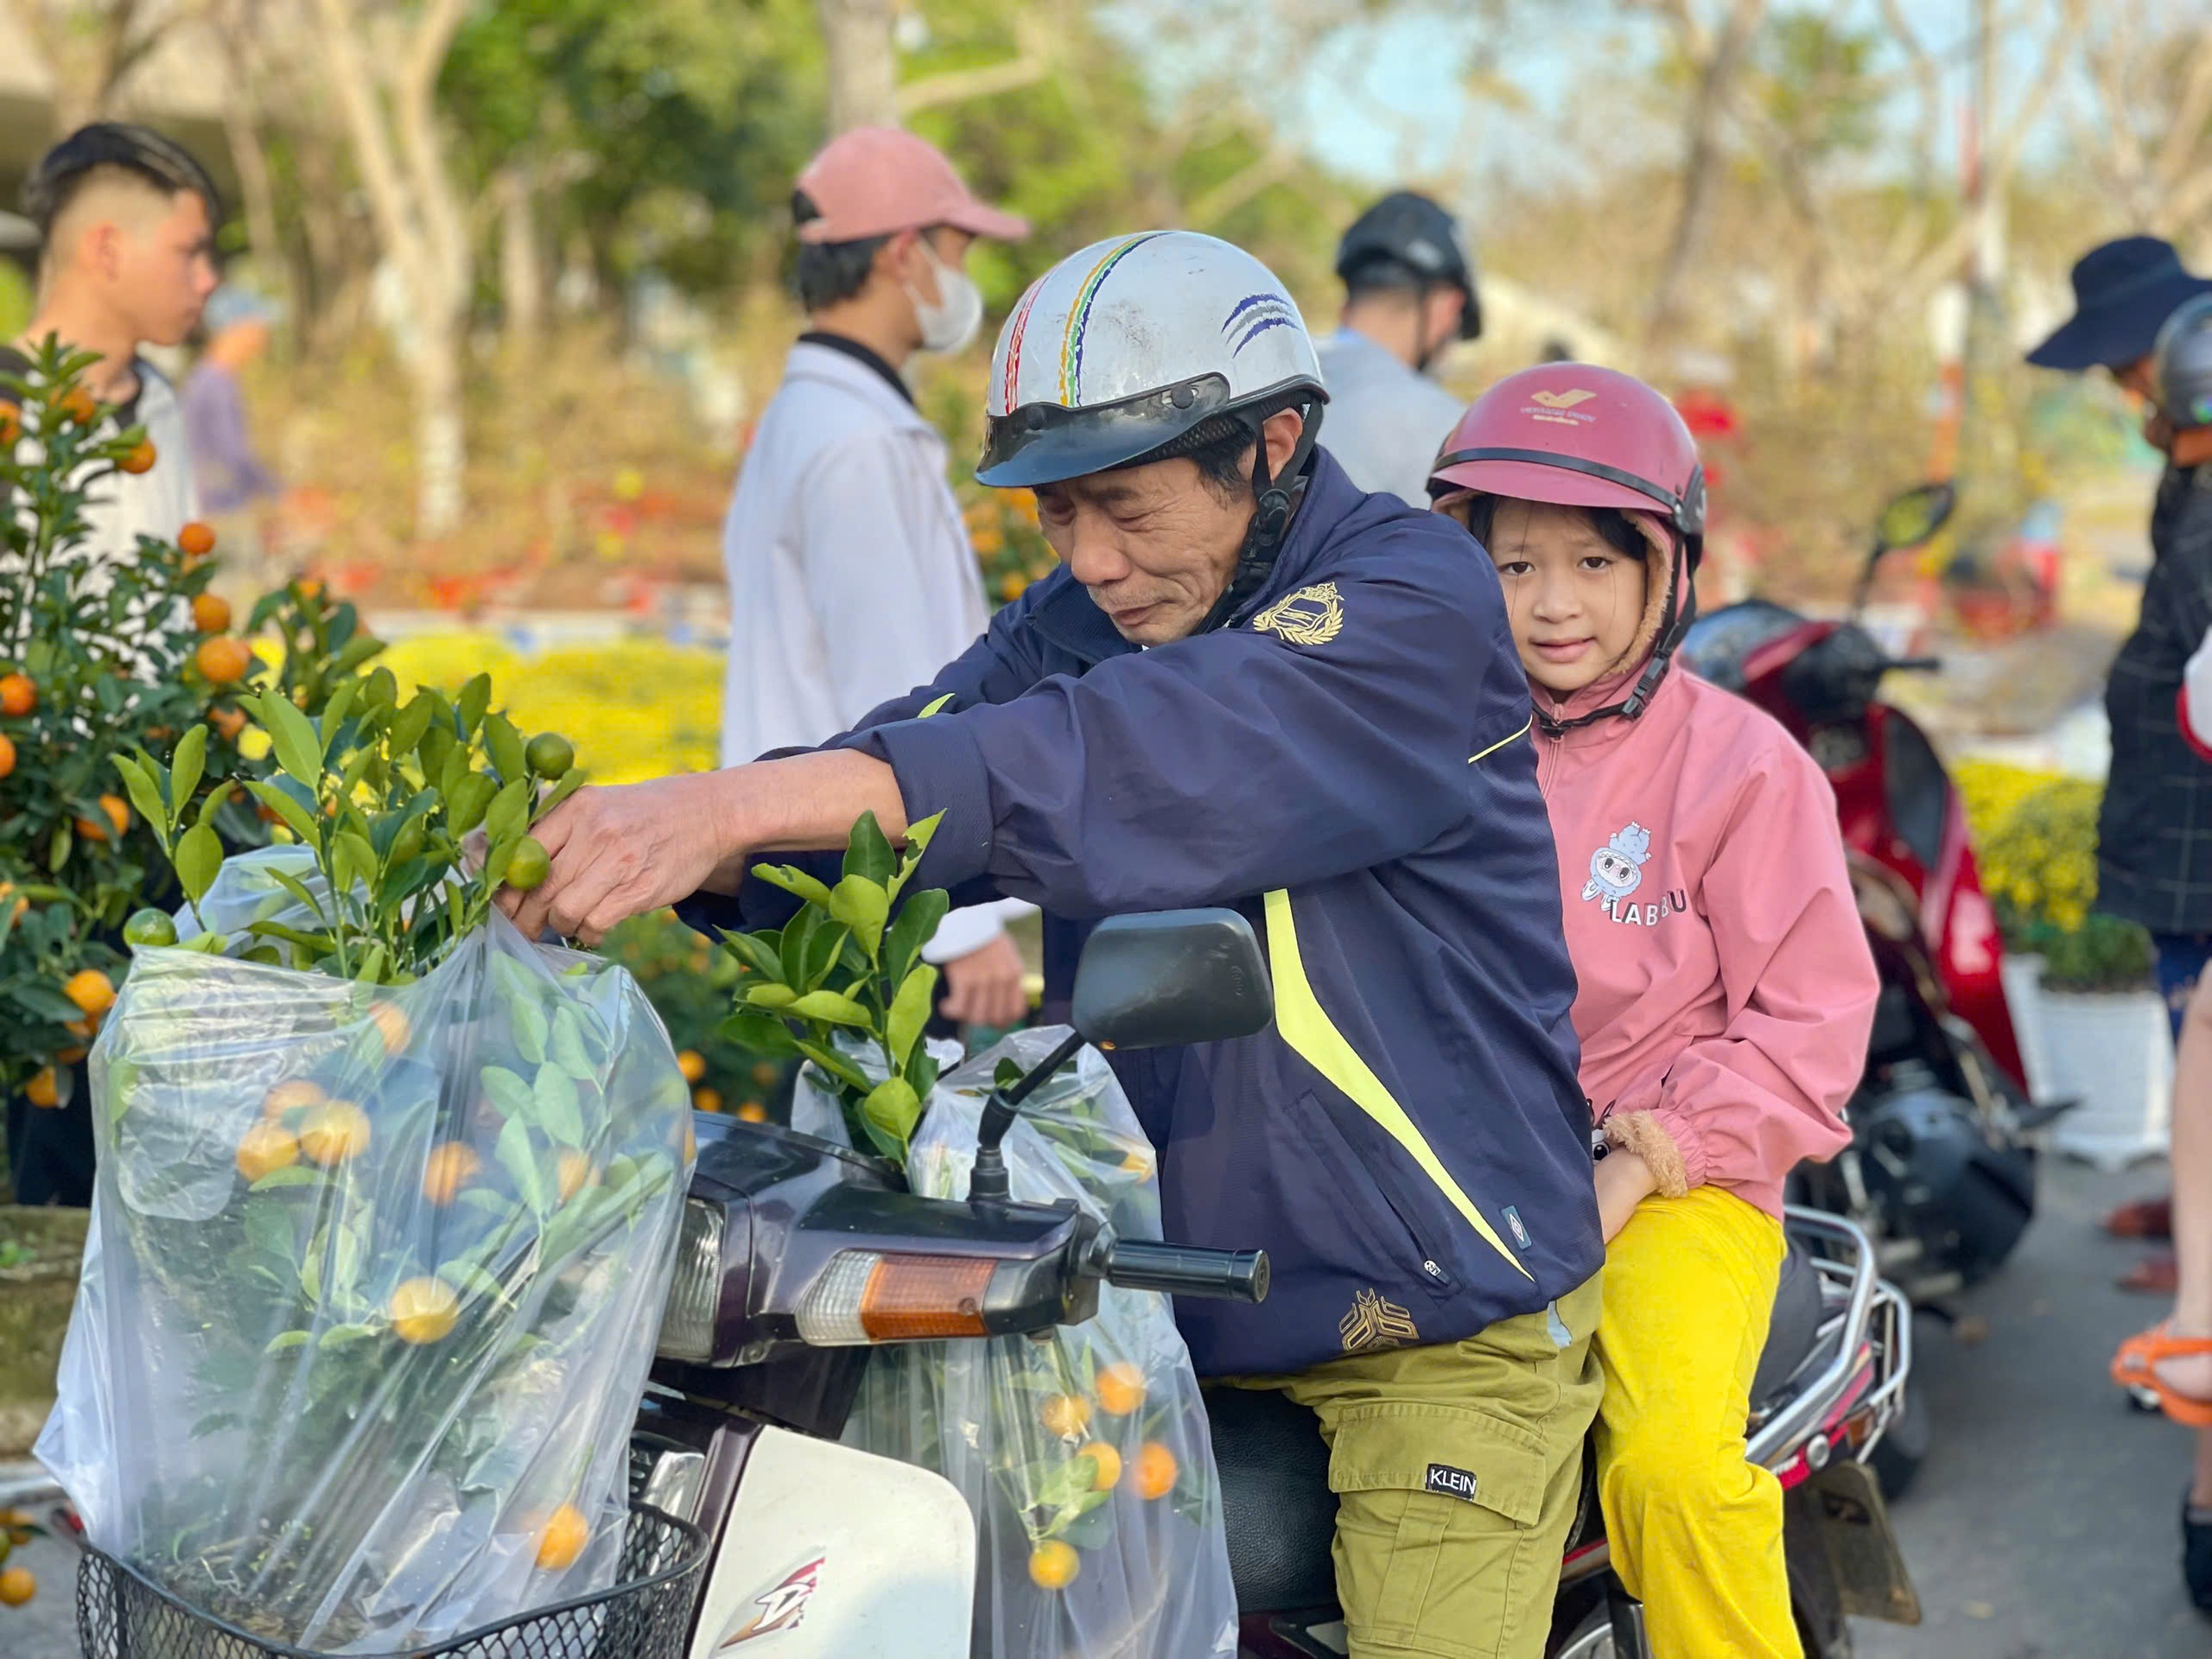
874, 180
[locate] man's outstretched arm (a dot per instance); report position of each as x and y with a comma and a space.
628, 849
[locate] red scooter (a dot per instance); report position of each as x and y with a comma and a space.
1939, 1171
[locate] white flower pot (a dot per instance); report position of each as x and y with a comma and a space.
2022, 977
2115, 1054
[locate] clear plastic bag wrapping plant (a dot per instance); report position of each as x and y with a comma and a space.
372, 1282
1089, 1449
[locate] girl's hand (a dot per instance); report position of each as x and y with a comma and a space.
1624, 1180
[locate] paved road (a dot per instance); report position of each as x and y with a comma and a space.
2043, 1524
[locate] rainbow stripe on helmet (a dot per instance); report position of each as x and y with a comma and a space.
1079, 315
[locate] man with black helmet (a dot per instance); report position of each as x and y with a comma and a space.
1251, 683
1410, 292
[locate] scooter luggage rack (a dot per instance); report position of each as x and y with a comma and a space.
1863, 1292
122, 1614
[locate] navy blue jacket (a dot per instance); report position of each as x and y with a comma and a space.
1348, 763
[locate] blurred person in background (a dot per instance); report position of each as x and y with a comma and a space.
230, 477
2173, 1359
2154, 832
127, 222
851, 577
1410, 292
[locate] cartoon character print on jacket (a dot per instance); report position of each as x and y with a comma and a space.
1617, 871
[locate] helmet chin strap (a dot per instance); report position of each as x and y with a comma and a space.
1272, 500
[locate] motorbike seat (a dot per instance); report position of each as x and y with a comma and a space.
1275, 1501
1792, 1334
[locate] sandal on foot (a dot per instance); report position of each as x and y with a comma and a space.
2135, 1366
2142, 1218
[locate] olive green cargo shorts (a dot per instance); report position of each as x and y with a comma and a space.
1456, 1469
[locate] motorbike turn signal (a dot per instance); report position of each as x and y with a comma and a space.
866, 1296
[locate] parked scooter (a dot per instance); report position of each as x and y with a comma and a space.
1940, 1171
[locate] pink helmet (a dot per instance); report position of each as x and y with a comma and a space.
1579, 436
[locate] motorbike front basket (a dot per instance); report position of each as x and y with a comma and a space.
122, 1614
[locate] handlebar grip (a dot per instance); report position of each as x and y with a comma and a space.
1187, 1270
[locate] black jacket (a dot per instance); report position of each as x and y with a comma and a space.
2154, 835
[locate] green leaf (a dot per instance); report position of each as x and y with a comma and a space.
937, 707
358, 650
792, 880
824, 945
894, 1107
559, 1112
198, 857
509, 1092
335, 711
315, 944
917, 925
530, 1031
467, 801
571, 781
146, 795
452, 770
830, 1006
919, 835
861, 906
298, 889
921, 1069
757, 951
504, 745
295, 817
520, 1160
509, 815
412, 722
835, 1065
797, 933
290, 1175
285, 1340
471, 705
775, 997
468, 1278
353, 861
438, 749
757, 1033
292, 735
570, 1053
910, 1012
339, 1335
868, 854
187, 766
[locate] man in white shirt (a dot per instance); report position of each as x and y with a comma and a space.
1410, 291
851, 577
127, 221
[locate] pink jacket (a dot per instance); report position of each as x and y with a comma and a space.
1727, 991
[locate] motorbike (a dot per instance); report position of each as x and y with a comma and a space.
768, 1332
1940, 1170
798, 1257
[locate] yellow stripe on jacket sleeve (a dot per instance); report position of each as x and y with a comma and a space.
1310, 1031
1528, 727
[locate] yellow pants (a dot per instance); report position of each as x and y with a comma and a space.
1696, 1530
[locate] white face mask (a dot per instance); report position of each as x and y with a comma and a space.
958, 313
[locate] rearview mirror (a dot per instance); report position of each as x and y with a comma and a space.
1169, 977
1913, 517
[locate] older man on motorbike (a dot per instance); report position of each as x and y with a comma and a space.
1250, 684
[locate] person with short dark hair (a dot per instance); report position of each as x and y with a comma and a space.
851, 575
127, 221
1410, 292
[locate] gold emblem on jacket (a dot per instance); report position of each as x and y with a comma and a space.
1311, 616
1375, 1323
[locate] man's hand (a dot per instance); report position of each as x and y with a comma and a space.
985, 986
1624, 1180
621, 851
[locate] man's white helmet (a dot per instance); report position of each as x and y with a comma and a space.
1141, 348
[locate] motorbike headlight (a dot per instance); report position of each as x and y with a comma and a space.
687, 1323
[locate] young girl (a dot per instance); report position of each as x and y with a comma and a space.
1727, 990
